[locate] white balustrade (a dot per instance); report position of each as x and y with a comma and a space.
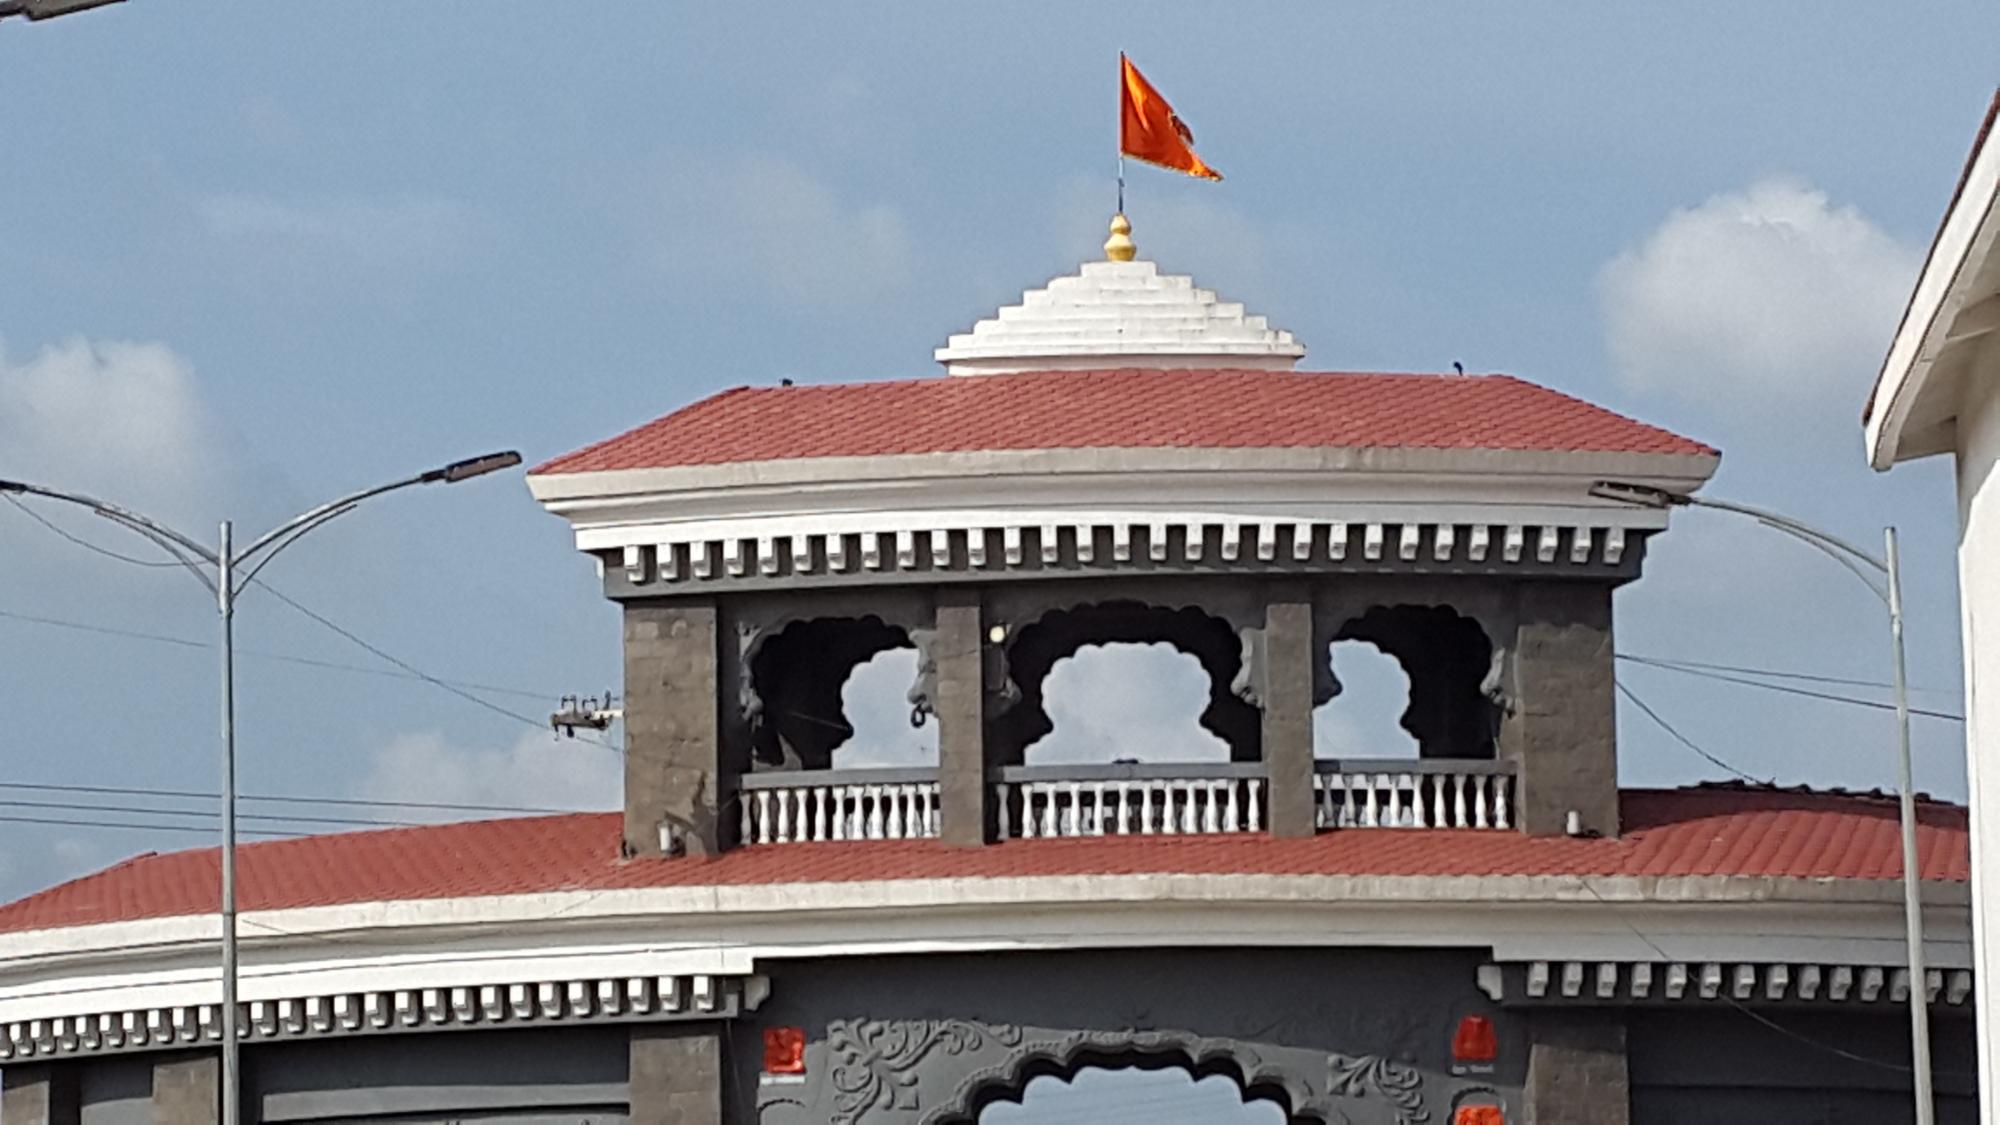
811, 812
1163, 806
1382, 796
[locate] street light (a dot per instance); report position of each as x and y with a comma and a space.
217, 570
1860, 563
48, 9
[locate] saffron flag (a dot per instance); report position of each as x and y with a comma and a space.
1148, 130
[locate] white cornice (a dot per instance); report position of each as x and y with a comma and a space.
1955, 281
653, 932
1118, 488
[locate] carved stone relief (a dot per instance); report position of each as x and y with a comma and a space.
945, 1071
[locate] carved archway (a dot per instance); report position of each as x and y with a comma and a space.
791, 689
946, 1071
1035, 648
1065, 1059
1454, 673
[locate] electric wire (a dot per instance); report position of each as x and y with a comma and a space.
1790, 690
80, 541
1774, 673
419, 673
347, 802
288, 658
79, 823
408, 668
1759, 1017
1684, 740
142, 810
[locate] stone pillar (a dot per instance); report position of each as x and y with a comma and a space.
676, 1075
187, 1090
673, 735
1564, 734
1287, 701
1577, 1073
39, 1094
964, 798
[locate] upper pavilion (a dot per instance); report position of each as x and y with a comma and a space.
760, 935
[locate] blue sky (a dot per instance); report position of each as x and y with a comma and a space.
255, 255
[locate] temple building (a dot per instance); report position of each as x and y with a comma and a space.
1489, 930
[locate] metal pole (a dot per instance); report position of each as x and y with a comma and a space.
225, 596
1913, 916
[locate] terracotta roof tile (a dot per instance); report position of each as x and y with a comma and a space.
1668, 833
1124, 408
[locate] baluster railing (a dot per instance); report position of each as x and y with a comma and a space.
837, 805
1430, 793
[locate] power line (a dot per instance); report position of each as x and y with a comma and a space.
412, 670
143, 810
1774, 1025
1790, 690
81, 542
349, 802
1684, 740
73, 823
415, 671
310, 662
1809, 677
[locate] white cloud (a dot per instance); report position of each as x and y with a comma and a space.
875, 700
537, 771
1365, 719
1759, 300
765, 222
295, 242
120, 420
1127, 701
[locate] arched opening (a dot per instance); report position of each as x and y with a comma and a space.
795, 698
1365, 720
875, 702
1169, 1095
1125, 702
1124, 666
1451, 671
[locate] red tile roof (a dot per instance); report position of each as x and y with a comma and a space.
1668, 833
1125, 408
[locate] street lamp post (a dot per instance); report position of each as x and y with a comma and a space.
217, 569
1860, 563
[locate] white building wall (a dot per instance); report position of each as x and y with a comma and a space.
1979, 593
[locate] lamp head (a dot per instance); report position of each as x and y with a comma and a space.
1643, 495
473, 467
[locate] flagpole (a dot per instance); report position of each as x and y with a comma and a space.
1121, 183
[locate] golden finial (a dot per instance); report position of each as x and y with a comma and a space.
1120, 247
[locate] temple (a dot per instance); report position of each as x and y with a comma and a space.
1487, 930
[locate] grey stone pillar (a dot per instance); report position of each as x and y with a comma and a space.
1564, 737
187, 1090
1287, 705
676, 1075
1577, 1072
673, 735
39, 1095
964, 798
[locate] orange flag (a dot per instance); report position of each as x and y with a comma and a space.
1148, 129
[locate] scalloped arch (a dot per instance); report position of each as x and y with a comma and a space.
1298, 1097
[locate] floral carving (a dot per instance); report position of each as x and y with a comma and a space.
1359, 1076
874, 1060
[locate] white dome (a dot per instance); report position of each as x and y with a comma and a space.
1119, 314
